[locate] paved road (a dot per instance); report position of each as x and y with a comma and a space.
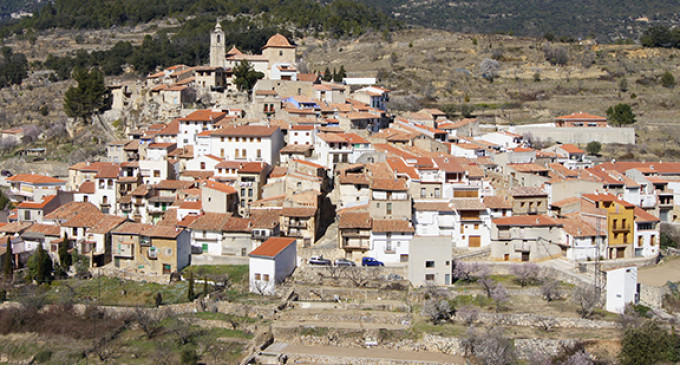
347, 353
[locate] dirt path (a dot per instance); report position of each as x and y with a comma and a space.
358, 353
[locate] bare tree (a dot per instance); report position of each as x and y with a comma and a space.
489, 68
499, 295
556, 55
358, 276
546, 323
464, 270
102, 347
149, 321
261, 286
551, 290
488, 285
164, 353
7, 143
587, 300
525, 273
334, 271
31, 134
437, 310
182, 330
490, 347
468, 314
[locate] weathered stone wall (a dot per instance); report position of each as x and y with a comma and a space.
652, 296
327, 294
130, 275
533, 320
577, 135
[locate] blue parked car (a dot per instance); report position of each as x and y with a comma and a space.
369, 261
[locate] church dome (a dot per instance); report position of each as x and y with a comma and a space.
278, 41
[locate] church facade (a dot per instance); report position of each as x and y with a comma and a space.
276, 62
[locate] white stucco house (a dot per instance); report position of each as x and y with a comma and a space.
271, 263
621, 288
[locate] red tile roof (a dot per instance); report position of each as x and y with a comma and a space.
35, 179
272, 247
204, 115
581, 116
278, 41
37, 205
355, 220
219, 187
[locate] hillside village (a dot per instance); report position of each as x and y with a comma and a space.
307, 175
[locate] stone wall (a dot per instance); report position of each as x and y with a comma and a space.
533, 320
130, 275
327, 294
577, 135
652, 296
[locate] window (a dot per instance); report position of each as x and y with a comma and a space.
258, 277
265, 277
237, 153
437, 193
168, 251
221, 139
423, 192
203, 165
429, 264
244, 153
389, 208
27, 215
429, 277
476, 226
156, 173
259, 153
221, 155
280, 52
250, 192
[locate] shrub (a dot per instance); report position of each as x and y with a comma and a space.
668, 80
43, 356
593, 148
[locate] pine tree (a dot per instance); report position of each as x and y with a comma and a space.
245, 76
327, 76
190, 290
88, 97
40, 266
8, 263
342, 73
64, 256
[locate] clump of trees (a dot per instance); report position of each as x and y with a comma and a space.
649, 344
13, 67
661, 36
621, 114
593, 148
556, 55
245, 76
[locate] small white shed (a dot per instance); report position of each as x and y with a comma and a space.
622, 288
271, 263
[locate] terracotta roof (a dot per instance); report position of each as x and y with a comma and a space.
389, 184
433, 206
578, 227
392, 225
528, 167
497, 202
191, 205
272, 247
581, 116
141, 190
298, 212
252, 167
36, 205
245, 131
355, 179
219, 187
162, 232
400, 167
15, 227
174, 184
565, 202
201, 174
607, 198
228, 165
571, 149
204, 115
210, 221
72, 209
526, 220
527, 191
266, 92
296, 148
131, 228
307, 77
468, 204
642, 216
355, 220
312, 164
46, 229
278, 41
35, 179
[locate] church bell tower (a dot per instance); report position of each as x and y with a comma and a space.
217, 46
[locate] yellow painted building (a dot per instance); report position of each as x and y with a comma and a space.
620, 221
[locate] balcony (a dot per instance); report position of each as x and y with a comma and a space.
356, 244
145, 242
390, 252
260, 236
295, 224
503, 235
522, 246
621, 228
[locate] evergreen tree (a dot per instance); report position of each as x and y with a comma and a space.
327, 76
621, 114
190, 291
668, 80
245, 76
8, 262
64, 255
342, 73
159, 299
205, 286
40, 266
88, 97
335, 75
